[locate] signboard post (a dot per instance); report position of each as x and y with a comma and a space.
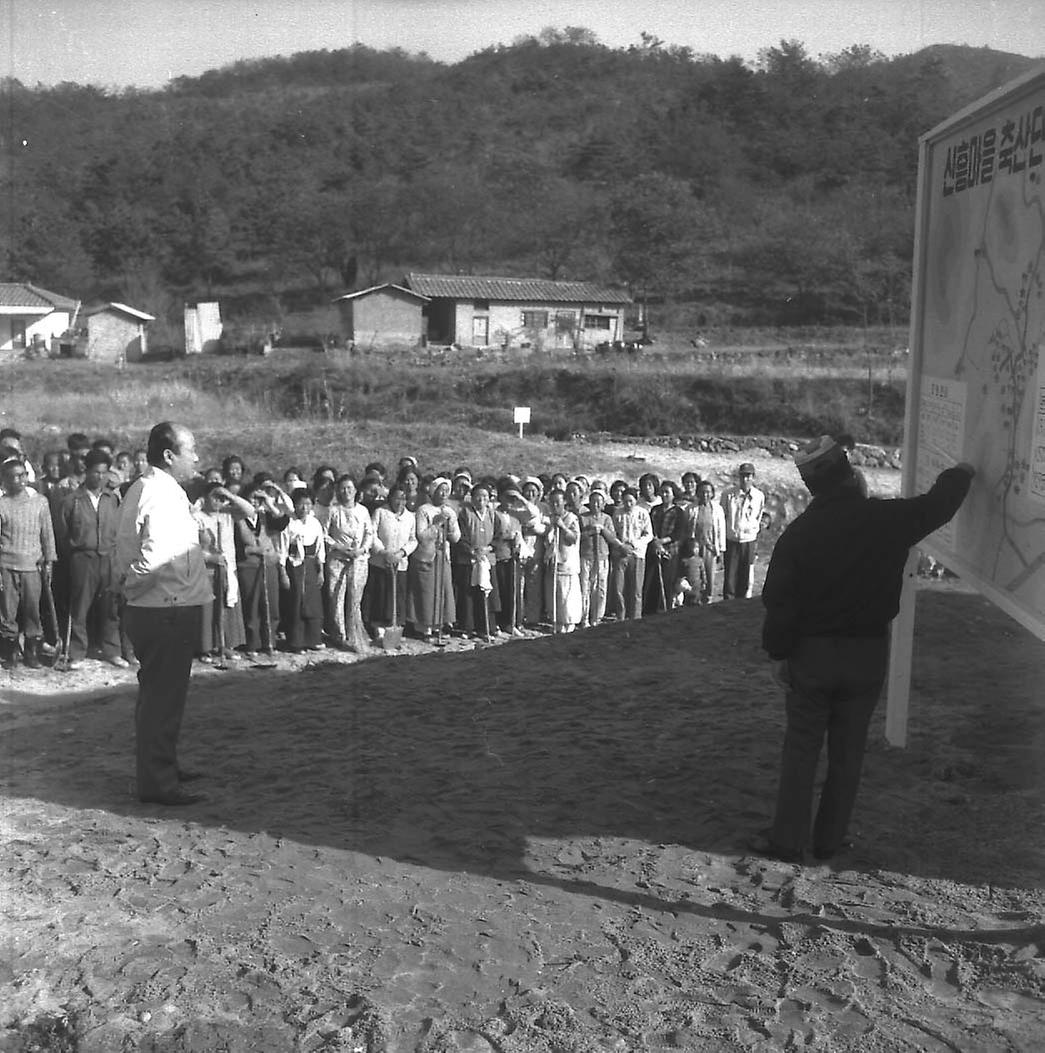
976, 381
522, 416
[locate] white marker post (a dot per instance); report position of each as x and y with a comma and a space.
522, 416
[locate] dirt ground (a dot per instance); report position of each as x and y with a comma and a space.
537, 847
531, 847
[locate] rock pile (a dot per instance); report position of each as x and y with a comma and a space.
772, 446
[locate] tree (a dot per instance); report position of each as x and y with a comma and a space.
655, 231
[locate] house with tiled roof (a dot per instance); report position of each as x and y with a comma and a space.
32, 316
477, 311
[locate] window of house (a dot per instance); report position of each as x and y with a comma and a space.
535, 319
598, 321
565, 321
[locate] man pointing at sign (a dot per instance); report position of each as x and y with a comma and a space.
832, 588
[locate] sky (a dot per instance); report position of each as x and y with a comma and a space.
144, 43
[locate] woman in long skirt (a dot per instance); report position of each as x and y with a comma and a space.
395, 538
222, 625
663, 556
534, 525
302, 578
562, 554
430, 594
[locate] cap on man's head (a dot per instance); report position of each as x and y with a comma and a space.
819, 454
747, 468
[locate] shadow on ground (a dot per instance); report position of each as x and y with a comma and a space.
665, 731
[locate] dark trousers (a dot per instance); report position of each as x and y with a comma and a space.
510, 592
252, 580
20, 603
476, 610
89, 578
164, 640
626, 577
736, 574
835, 685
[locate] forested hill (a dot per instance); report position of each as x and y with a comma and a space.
776, 192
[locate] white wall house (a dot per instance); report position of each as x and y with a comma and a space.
29, 314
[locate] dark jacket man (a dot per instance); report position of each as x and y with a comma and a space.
86, 528
831, 590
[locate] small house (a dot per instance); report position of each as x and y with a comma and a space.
473, 311
32, 317
383, 315
117, 333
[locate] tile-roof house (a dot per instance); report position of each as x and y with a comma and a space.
475, 311
29, 314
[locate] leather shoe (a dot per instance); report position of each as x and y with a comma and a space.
189, 775
119, 661
763, 846
175, 798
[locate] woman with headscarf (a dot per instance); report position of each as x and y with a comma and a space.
531, 553
662, 557
473, 557
430, 593
395, 538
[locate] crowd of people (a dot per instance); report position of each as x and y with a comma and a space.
178, 564
336, 559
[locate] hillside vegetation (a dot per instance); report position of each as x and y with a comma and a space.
775, 193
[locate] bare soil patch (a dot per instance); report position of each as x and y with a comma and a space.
534, 847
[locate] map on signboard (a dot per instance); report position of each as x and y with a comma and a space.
980, 360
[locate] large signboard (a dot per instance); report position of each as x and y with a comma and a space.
977, 384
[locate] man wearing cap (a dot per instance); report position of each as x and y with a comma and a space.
832, 588
86, 534
743, 506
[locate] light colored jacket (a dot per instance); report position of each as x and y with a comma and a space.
159, 562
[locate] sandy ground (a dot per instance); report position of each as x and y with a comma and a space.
530, 847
